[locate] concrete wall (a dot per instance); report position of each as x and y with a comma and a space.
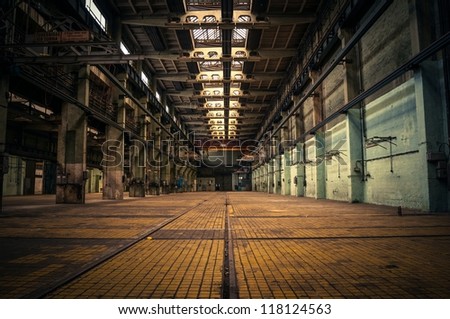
206, 184
13, 182
400, 118
394, 114
387, 45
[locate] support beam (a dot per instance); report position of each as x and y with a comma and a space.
194, 94
104, 58
181, 23
269, 76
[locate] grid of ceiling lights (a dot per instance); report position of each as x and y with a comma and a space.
208, 48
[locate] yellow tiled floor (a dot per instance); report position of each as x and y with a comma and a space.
284, 247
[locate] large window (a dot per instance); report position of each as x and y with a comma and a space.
124, 49
144, 78
96, 13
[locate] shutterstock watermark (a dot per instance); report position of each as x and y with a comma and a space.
215, 153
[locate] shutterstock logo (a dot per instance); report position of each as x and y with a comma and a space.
215, 153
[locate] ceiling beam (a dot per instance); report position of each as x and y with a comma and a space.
180, 23
104, 58
265, 76
194, 94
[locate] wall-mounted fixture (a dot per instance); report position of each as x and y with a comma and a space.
377, 140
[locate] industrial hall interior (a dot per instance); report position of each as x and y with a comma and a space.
224, 149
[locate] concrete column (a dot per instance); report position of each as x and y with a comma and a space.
271, 176
300, 165
319, 166
257, 180
113, 160
278, 174
431, 109
185, 176
139, 157
4, 94
354, 124
266, 178
300, 171
72, 171
287, 173
319, 139
285, 168
154, 155
113, 153
432, 131
166, 168
193, 180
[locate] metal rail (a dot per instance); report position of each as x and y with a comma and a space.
229, 280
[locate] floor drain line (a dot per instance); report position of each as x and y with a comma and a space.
229, 281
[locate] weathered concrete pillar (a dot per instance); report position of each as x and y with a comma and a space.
113, 161
193, 181
319, 140
300, 171
299, 178
185, 179
166, 168
260, 179
113, 152
266, 181
71, 157
153, 154
354, 125
255, 179
277, 175
271, 176
285, 168
320, 165
431, 110
139, 157
4, 94
287, 173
